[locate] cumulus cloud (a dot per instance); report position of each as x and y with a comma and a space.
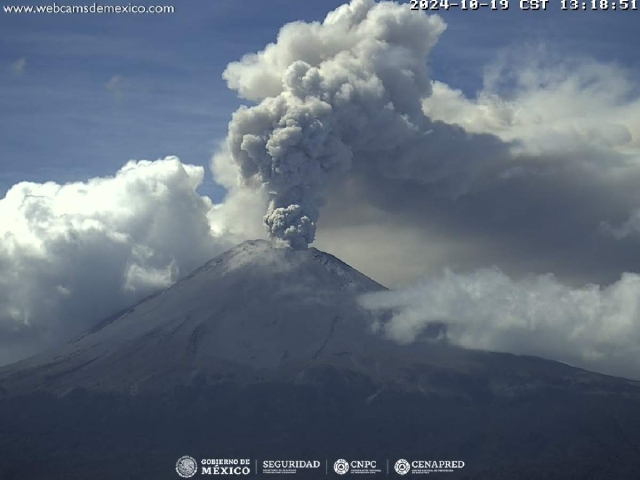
548, 105
74, 253
593, 327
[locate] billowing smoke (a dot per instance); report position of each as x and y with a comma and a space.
331, 94
564, 201
593, 327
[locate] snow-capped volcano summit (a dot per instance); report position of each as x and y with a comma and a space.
254, 308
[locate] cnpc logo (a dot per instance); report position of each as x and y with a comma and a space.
341, 466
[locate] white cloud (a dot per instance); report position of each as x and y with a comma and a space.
593, 327
72, 254
547, 105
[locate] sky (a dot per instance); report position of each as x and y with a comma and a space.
475, 151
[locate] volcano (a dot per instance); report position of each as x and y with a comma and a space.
253, 312
265, 352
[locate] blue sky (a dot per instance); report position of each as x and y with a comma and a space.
80, 95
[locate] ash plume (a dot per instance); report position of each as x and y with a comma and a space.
332, 94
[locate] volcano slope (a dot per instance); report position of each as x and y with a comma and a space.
265, 353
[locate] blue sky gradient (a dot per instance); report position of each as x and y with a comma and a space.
82, 94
